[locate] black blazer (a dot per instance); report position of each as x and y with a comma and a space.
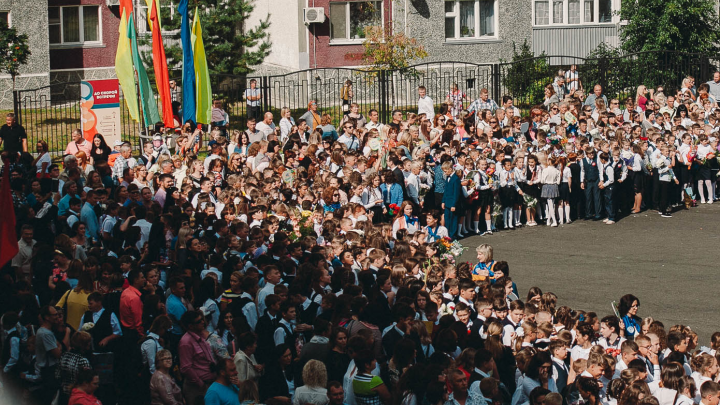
274, 383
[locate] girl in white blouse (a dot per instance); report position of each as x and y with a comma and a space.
550, 179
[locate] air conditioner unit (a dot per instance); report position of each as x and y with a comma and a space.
111, 3
314, 15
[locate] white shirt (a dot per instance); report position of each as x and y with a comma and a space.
267, 290
425, 105
571, 86
265, 128
279, 335
144, 232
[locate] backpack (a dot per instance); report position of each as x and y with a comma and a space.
237, 305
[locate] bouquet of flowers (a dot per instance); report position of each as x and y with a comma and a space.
393, 209
450, 249
530, 201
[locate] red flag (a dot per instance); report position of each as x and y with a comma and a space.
8, 240
161, 70
127, 6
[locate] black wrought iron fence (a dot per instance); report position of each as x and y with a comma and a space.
52, 112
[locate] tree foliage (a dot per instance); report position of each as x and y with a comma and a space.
526, 77
14, 51
384, 49
231, 48
670, 25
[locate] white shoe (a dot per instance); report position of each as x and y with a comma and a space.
486, 233
532, 223
710, 201
606, 220
554, 224
610, 222
702, 202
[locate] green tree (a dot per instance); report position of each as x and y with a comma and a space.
526, 77
231, 47
14, 51
670, 25
384, 49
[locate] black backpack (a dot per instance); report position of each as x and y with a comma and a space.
237, 305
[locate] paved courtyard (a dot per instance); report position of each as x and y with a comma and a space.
670, 264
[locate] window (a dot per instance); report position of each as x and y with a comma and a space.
557, 11
605, 11
542, 13
470, 19
74, 25
348, 19
561, 12
5, 18
167, 11
589, 10
573, 11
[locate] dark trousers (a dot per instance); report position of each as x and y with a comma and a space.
50, 384
451, 222
592, 199
609, 192
656, 188
253, 112
663, 190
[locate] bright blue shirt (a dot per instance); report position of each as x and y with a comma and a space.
219, 394
175, 309
393, 196
90, 219
64, 204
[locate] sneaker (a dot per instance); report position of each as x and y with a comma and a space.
710, 201
666, 215
610, 222
702, 201
554, 224
606, 220
486, 233
533, 223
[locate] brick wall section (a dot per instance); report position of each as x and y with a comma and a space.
90, 57
327, 55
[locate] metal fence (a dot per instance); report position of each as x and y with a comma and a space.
52, 112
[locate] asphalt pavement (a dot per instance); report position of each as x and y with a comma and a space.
670, 264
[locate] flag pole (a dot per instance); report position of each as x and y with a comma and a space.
141, 118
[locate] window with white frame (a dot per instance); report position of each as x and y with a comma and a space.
349, 19
143, 16
470, 19
74, 25
572, 12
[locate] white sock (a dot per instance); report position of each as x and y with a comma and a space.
701, 190
476, 226
561, 216
567, 214
551, 211
711, 193
510, 217
516, 214
488, 224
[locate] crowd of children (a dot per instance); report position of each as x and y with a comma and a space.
296, 264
